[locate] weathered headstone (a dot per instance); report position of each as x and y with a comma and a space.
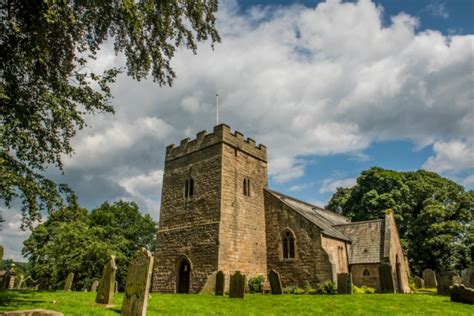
462, 294
69, 280
430, 278
210, 284
220, 281
419, 282
266, 288
135, 298
386, 278
446, 280
344, 283
94, 286
33, 312
105, 291
237, 285
116, 287
275, 282
467, 276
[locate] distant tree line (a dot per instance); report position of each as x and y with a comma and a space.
75, 240
434, 215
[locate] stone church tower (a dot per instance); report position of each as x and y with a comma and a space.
212, 211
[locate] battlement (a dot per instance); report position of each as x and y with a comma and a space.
221, 134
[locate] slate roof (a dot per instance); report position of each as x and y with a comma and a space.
367, 240
316, 215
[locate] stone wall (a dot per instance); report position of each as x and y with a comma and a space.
242, 244
393, 254
372, 279
336, 249
311, 261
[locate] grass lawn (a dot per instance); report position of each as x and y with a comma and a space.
82, 303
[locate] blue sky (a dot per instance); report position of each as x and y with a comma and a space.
331, 88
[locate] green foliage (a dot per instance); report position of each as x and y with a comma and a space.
47, 88
73, 240
434, 215
255, 284
327, 287
362, 290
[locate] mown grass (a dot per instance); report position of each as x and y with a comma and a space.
82, 303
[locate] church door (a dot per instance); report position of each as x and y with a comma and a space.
183, 276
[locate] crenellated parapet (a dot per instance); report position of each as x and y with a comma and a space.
221, 134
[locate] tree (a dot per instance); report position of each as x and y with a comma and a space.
46, 88
434, 215
73, 240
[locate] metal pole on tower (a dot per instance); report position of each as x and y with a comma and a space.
217, 109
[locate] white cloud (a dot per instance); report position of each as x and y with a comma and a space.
438, 9
451, 156
144, 184
469, 180
330, 185
11, 236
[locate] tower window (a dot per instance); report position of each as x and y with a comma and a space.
366, 272
246, 186
189, 188
288, 243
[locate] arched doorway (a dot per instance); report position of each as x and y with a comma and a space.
399, 276
183, 276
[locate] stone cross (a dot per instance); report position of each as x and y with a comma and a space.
344, 283
237, 285
220, 281
419, 282
447, 279
135, 298
430, 278
386, 278
94, 286
105, 292
275, 282
69, 280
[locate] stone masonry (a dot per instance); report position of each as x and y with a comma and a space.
217, 228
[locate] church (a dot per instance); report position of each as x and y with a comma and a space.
218, 214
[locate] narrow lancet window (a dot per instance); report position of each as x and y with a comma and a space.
246, 186
189, 188
288, 245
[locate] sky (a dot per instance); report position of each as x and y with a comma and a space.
331, 88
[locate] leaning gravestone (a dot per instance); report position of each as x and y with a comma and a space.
94, 286
462, 294
210, 285
419, 282
275, 282
386, 279
135, 298
344, 283
430, 278
237, 285
467, 276
220, 281
69, 279
105, 291
447, 279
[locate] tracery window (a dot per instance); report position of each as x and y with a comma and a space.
189, 188
288, 244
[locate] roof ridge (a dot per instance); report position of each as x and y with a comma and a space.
361, 222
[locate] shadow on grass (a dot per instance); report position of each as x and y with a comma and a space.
12, 299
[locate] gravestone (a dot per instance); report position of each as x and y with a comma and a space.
467, 276
462, 294
237, 285
386, 279
135, 298
94, 286
220, 281
33, 312
69, 280
275, 282
446, 280
210, 285
344, 283
266, 288
116, 286
430, 278
105, 291
8, 281
419, 282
